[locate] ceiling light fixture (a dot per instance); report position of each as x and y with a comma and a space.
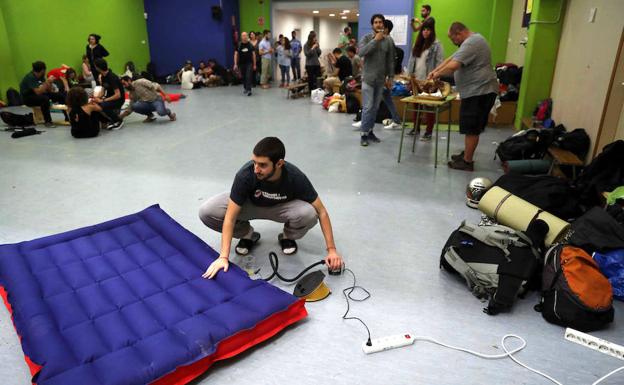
315, 11
343, 17
358, 14
345, 11
332, 14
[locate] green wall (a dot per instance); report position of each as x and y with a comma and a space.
250, 11
8, 77
56, 32
540, 56
490, 18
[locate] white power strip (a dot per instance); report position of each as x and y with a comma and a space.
595, 343
387, 343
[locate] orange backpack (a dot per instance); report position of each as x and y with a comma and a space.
574, 292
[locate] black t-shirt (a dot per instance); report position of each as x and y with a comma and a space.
245, 52
292, 185
345, 69
111, 82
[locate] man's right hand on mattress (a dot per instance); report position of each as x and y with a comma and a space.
215, 266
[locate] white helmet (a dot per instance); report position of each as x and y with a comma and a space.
475, 191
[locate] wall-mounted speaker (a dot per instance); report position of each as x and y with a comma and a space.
217, 12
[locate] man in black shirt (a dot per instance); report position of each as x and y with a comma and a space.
425, 13
37, 91
345, 68
267, 187
245, 59
114, 97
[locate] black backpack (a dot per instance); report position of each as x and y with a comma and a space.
353, 105
577, 142
498, 263
526, 144
16, 120
13, 97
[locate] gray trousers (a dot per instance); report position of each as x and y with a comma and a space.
297, 216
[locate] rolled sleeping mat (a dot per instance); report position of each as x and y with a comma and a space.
528, 166
510, 210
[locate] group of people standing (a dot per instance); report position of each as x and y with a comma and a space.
471, 66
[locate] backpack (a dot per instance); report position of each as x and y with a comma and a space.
399, 54
574, 292
16, 120
525, 144
577, 142
543, 110
497, 262
13, 97
604, 173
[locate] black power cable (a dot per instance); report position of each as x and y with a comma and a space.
348, 297
275, 265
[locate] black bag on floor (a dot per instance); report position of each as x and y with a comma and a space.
597, 230
497, 262
577, 142
526, 144
17, 120
353, 106
574, 292
604, 173
549, 193
25, 132
13, 97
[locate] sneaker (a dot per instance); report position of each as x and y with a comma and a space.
414, 132
373, 138
364, 140
393, 126
49, 125
357, 124
115, 126
426, 138
461, 164
172, 116
289, 246
249, 93
245, 245
150, 118
457, 156
387, 122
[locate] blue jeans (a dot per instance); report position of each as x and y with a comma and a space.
371, 98
146, 108
295, 64
387, 98
285, 70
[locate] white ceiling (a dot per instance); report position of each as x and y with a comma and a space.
325, 12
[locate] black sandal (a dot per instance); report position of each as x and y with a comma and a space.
287, 244
245, 245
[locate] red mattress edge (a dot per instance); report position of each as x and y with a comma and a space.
227, 348
33, 367
237, 344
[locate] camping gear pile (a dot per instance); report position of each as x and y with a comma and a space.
563, 239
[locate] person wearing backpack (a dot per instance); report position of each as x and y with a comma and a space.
37, 91
426, 55
476, 81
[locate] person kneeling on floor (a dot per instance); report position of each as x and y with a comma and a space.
145, 98
270, 188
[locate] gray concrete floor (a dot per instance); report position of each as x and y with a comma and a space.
390, 221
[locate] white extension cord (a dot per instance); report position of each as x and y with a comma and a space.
391, 342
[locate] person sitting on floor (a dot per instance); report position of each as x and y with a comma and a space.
216, 73
145, 98
270, 188
37, 91
130, 70
188, 79
342, 69
114, 95
84, 117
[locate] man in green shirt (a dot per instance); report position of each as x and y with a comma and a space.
37, 91
343, 41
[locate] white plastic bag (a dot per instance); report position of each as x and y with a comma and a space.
317, 96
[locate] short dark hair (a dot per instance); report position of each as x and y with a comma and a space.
265, 31
126, 78
457, 27
337, 50
69, 72
427, 7
271, 147
38, 66
388, 24
377, 16
101, 64
351, 49
76, 97
345, 29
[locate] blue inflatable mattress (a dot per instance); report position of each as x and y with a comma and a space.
123, 302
